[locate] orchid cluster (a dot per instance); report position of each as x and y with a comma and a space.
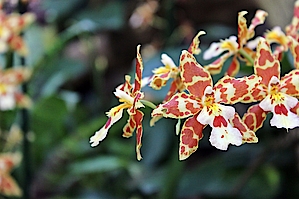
195, 100
11, 96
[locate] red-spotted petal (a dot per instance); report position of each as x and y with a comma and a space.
181, 105
138, 117
233, 68
295, 109
254, 117
289, 83
292, 29
265, 64
138, 72
160, 80
294, 47
190, 135
194, 46
258, 19
230, 90
194, 76
176, 86
8, 185
242, 28
215, 67
248, 136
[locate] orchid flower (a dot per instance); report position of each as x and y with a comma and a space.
234, 46
285, 39
276, 95
8, 186
11, 26
10, 95
130, 96
201, 106
170, 70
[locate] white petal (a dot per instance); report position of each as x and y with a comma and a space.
228, 112
166, 60
102, 133
212, 51
7, 101
222, 137
282, 121
266, 104
123, 95
204, 117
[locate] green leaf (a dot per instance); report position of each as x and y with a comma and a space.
98, 164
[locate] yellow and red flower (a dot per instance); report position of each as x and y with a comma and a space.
10, 94
170, 70
130, 96
233, 45
11, 26
8, 186
276, 95
201, 105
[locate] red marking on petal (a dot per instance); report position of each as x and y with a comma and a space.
234, 67
265, 65
280, 109
193, 75
254, 118
219, 121
138, 72
108, 123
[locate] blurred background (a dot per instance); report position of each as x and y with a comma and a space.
80, 51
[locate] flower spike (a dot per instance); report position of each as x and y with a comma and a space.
130, 97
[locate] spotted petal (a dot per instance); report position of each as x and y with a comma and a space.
292, 29
294, 47
254, 117
248, 136
181, 105
258, 19
234, 67
215, 67
138, 72
8, 186
190, 135
231, 90
290, 83
194, 76
265, 64
194, 46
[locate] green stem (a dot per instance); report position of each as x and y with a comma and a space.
247, 56
9, 59
149, 104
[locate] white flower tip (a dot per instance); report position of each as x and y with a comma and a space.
98, 137
166, 60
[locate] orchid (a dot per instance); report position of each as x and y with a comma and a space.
170, 70
10, 94
276, 95
285, 40
201, 106
11, 26
196, 100
131, 97
234, 46
8, 186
